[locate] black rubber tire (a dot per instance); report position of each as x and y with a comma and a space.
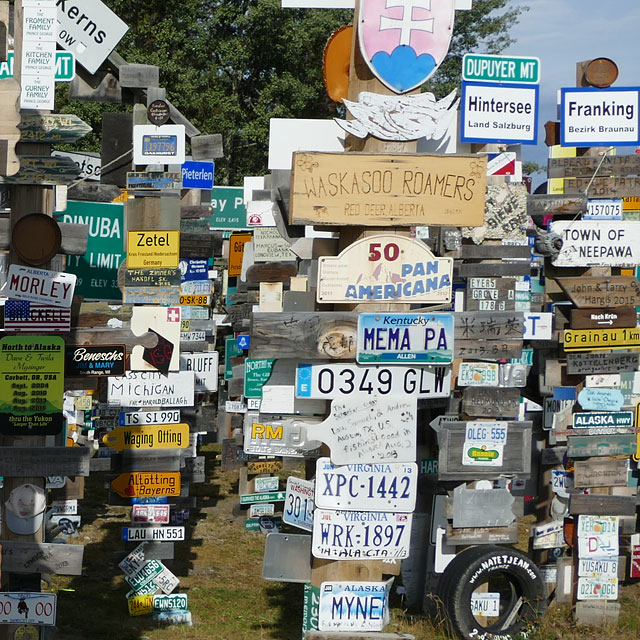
475, 566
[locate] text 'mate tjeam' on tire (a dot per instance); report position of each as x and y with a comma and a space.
492, 593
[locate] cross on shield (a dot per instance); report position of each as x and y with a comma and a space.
404, 41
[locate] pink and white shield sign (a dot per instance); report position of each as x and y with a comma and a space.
404, 41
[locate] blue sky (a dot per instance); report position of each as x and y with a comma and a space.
563, 32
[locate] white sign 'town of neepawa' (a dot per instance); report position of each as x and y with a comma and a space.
597, 243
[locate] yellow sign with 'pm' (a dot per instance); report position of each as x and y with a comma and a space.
600, 339
153, 249
149, 436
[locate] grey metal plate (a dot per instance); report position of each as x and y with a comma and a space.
287, 558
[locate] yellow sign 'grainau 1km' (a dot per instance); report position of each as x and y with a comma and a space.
153, 249
600, 339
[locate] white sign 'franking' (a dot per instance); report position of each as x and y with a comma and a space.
598, 117
385, 269
588, 243
39, 285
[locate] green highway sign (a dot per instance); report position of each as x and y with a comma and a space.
97, 269
65, 66
253, 498
509, 69
229, 210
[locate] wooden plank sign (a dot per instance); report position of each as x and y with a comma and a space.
585, 166
152, 277
597, 243
614, 291
606, 187
610, 472
488, 402
31, 557
540, 205
606, 445
605, 319
21, 462
386, 190
166, 436
53, 128
44, 170
135, 485
490, 294
592, 362
385, 268
600, 339
599, 505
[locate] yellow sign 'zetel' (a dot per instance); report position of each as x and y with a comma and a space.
600, 339
153, 249
136, 485
149, 436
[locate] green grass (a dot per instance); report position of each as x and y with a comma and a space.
220, 568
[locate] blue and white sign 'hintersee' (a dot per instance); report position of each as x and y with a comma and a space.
400, 337
495, 113
198, 175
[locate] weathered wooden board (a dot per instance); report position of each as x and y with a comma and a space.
604, 187
601, 445
9, 132
200, 245
155, 460
487, 350
603, 318
517, 453
31, 557
44, 170
600, 473
538, 205
601, 613
22, 462
97, 465
52, 128
493, 269
585, 166
79, 337
386, 190
272, 272
614, 291
600, 505
482, 535
487, 402
487, 251
602, 362
194, 470
490, 294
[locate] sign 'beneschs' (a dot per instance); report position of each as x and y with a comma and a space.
90, 30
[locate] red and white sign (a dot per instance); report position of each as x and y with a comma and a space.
39, 285
501, 164
153, 513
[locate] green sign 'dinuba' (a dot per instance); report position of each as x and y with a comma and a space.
31, 385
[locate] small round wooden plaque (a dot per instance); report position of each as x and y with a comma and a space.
36, 238
601, 72
26, 632
158, 112
336, 62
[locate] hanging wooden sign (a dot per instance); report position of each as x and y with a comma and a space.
489, 402
600, 339
606, 445
152, 277
540, 205
602, 362
490, 294
604, 187
385, 269
53, 128
597, 243
44, 170
385, 190
585, 166
600, 473
605, 319
602, 292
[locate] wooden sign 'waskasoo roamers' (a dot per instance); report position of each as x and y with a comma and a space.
31, 385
